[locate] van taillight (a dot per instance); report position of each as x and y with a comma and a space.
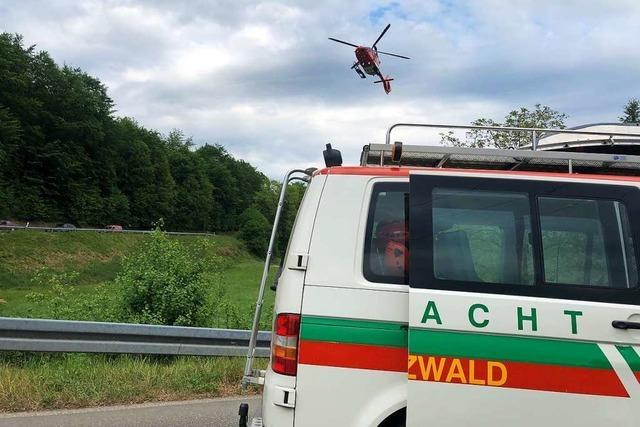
284, 349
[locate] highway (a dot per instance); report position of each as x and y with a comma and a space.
221, 412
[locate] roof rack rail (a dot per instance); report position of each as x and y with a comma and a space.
500, 159
535, 132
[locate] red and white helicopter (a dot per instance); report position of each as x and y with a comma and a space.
369, 62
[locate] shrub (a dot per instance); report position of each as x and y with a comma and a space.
254, 231
60, 298
57, 296
162, 283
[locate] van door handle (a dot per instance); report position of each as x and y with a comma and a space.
623, 324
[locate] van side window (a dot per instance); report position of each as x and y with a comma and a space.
482, 236
529, 237
386, 253
587, 242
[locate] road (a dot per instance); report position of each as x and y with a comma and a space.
207, 412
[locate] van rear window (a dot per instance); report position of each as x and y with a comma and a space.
485, 237
539, 238
386, 254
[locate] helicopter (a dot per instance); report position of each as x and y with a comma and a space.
369, 62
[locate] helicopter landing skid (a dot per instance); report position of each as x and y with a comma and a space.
356, 67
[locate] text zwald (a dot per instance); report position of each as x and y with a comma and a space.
456, 370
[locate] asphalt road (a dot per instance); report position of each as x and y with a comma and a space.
208, 412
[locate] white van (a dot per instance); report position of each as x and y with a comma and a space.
440, 286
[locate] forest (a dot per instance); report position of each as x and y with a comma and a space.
66, 157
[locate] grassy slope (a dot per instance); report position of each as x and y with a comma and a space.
31, 382
97, 257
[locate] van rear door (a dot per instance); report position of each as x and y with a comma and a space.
524, 301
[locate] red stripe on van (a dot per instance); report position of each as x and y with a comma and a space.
362, 170
519, 375
356, 356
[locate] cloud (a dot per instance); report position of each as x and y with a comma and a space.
262, 79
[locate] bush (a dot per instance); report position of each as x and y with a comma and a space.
254, 231
60, 298
162, 284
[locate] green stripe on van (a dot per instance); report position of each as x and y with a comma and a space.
630, 356
353, 331
502, 347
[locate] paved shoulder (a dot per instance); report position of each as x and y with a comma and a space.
207, 412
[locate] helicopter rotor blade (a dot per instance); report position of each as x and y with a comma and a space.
393, 54
343, 42
380, 36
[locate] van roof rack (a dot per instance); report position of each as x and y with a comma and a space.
500, 159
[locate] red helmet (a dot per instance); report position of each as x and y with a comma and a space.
393, 238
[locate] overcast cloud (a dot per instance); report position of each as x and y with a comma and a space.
262, 79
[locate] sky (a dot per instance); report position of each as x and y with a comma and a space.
263, 80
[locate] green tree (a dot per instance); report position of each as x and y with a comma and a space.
140, 163
165, 187
137, 183
255, 231
9, 138
266, 200
541, 116
65, 157
631, 112
194, 191
215, 161
56, 164
116, 207
295, 192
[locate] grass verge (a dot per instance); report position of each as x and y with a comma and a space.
54, 381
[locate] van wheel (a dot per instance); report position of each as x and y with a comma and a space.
397, 419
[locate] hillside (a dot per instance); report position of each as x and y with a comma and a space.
86, 263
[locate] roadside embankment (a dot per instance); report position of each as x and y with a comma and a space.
75, 276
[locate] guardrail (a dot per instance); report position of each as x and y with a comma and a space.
99, 230
44, 335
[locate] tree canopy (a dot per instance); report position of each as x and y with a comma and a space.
65, 157
631, 112
541, 116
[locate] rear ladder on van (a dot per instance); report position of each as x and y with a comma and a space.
253, 376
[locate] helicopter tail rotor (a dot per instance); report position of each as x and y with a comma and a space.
386, 83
